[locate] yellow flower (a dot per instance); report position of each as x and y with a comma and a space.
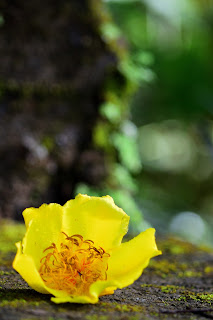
74, 252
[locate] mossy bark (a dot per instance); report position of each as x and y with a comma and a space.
54, 65
176, 285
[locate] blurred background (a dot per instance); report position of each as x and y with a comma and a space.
110, 97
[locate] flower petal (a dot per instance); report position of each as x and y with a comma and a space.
25, 266
128, 261
95, 218
75, 299
43, 228
101, 287
95, 291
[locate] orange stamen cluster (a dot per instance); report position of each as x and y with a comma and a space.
75, 266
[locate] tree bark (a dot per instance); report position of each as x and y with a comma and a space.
54, 64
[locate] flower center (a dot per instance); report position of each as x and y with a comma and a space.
75, 266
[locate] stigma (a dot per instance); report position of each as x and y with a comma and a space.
74, 266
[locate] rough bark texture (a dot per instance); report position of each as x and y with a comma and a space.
177, 285
53, 68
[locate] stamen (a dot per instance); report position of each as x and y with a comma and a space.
75, 266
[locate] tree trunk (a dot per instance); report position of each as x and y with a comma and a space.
54, 64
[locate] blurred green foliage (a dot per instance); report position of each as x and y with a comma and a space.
157, 127
170, 53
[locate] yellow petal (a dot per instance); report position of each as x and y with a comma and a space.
95, 291
109, 290
75, 299
95, 218
101, 287
25, 265
128, 260
43, 228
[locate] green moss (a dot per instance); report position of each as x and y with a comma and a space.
109, 307
184, 295
10, 234
6, 273
189, 273
155, 314
165, 289
164, 268
18, 303
176, 246
96, 317
169, 289
208, 269
128, 308
181, 298
135, 317
206, 297
190, 295
20, 298
145, 285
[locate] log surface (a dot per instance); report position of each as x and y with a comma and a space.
176, 285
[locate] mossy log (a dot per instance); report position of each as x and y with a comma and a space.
176, 285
